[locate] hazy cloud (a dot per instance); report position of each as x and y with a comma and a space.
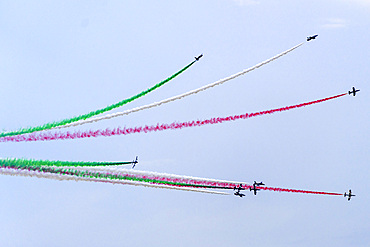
363, 2
335, 23
246, 2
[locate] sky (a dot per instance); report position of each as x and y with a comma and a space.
63, 59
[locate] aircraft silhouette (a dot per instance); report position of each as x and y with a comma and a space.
198, 57
349, 194
134, 162
255, 184
312, 37
238, 189
353, 91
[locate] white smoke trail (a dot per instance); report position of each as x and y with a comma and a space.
38, 174
109, 116
123, 171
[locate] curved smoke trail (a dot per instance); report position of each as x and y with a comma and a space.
159, 127
94, 113
155, 104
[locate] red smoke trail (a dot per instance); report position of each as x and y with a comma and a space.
300, 191
48, 136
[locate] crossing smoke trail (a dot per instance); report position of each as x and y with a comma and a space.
94, 113
155, 104
48, 136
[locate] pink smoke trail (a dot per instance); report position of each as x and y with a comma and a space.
48, 136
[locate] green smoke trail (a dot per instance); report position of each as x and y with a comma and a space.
48, 126
25, 163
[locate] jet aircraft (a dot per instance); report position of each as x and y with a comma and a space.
238, 189
198, 57
255, 184
349, 194
312, 37
353, 91
134, 162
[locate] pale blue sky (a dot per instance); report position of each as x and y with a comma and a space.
64, 59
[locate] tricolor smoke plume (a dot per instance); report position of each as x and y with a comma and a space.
51, 125
48, 136
86, 175
195, 181
138, 178
189, 180
38, 174
155, 104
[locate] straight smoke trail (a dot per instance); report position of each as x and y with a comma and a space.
15, 172
155, 104
51, 125
58, 163
159, 127
300, 191
177, 179
69, 174
140, 178
115, 173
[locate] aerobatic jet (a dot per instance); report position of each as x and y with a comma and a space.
238, 189
198, 57
255, 184
134, 162
349, 194
353, 91
312, 37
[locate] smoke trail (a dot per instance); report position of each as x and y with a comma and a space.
15, 172
93, 174
125, 176
69, 174
159, 127
172, 178
57, 163
300, 191
112, 174
144, 177
160, 182
51, 125
178, 96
